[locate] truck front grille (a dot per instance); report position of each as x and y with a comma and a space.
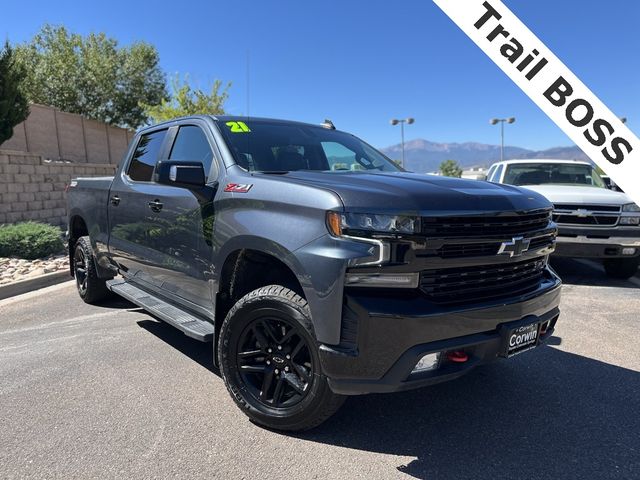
466, 285
462, 250
589, 215
593, 208
482, 235
591, 220
509, 223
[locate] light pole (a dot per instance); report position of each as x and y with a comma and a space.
408, 121
493, 121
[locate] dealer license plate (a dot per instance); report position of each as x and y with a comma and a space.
521, 339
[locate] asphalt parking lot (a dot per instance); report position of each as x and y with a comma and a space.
110, 392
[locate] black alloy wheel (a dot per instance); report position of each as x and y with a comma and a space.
270, 362
91, 287
80, 269
275, 362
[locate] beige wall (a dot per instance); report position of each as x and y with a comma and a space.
32, 188
59, 135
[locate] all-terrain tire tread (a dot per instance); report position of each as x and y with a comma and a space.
330, 402
96, 287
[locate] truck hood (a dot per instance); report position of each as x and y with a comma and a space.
419, 193
577, 194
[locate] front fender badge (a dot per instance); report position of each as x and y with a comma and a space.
238, 187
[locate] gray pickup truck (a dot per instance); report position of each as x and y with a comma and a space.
316, 266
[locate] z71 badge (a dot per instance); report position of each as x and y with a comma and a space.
238, 187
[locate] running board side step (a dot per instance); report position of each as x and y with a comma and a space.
187, 323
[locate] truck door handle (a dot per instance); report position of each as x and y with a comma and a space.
156, 205
115, 200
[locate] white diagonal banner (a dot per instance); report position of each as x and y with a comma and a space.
552, 86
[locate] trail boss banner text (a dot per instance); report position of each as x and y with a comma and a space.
552, 86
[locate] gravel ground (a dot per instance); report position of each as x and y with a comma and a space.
16, 269
109, 392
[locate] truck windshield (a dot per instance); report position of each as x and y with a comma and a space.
552, 173
279, 147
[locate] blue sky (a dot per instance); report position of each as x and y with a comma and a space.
361, 63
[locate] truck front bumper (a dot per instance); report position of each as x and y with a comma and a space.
598, 244
394, 333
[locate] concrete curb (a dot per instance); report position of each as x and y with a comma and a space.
24, 286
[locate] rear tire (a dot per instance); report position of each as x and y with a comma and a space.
91, 288
622, 268
269, 361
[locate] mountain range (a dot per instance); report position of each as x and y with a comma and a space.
425, 156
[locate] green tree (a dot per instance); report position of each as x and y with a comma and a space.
92, 75
450, 168
14, 106
186, 100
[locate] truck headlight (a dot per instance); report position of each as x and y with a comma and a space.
630, 207
359, 227
341, 223
630, 219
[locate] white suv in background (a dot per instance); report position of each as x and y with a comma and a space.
593, 221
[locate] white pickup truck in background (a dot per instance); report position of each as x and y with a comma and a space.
593, 221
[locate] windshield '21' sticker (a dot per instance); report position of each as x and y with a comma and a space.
238, 127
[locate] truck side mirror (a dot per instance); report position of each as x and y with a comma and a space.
180, 174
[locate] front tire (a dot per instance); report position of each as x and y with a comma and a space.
623, 268
91, 288
269, 361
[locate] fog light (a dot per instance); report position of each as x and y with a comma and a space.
426, 363
628, 251
386, 280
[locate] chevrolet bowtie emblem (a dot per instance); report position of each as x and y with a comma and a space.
516, 247
582, 213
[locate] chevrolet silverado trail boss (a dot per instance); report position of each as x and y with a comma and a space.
593, 220
315, 265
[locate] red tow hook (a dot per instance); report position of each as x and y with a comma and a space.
457, 356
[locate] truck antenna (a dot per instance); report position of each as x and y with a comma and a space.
248, 82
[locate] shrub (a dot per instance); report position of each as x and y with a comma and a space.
29, 240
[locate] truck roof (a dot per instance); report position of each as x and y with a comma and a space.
230, 118
543, 160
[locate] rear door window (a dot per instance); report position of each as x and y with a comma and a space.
145, 156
